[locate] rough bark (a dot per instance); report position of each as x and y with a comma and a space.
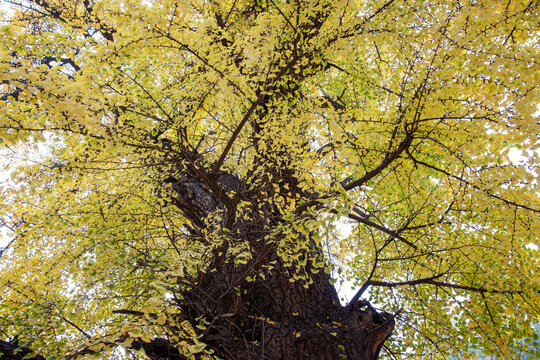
272, 317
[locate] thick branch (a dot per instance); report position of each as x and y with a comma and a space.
431, 281
404, 145
392, 233
235, 135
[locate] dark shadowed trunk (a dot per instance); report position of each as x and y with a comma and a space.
272, 317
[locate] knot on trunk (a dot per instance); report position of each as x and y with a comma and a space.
195, 199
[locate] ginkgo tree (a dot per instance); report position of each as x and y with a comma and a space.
190, 179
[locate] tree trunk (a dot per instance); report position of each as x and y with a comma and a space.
271, 317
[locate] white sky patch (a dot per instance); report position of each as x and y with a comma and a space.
516, 156
6, 12
346, 289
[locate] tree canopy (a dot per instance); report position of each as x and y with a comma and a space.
192, 178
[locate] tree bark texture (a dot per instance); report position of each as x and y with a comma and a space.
271, 317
